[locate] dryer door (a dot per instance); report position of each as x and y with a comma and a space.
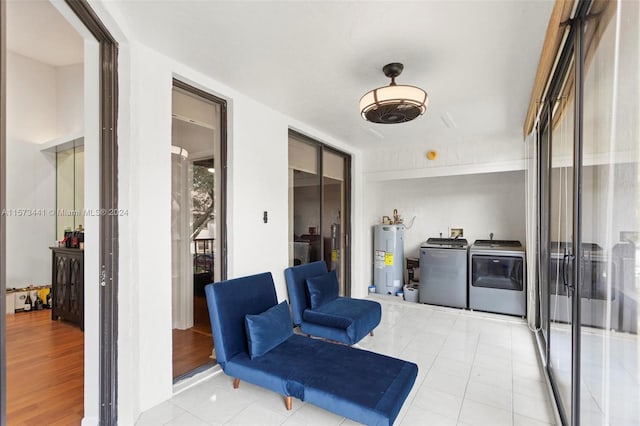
500, 272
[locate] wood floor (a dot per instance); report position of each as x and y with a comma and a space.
45, 370
192, 347
45, 366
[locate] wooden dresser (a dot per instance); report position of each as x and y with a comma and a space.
67, 285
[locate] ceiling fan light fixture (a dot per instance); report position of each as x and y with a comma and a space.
393, 103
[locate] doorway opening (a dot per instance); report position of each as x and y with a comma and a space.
319, 206
56, 92
44, 215
198, 165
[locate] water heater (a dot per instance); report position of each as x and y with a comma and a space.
388, 258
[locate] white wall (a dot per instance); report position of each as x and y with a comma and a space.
257, 181
43, 103
480, 204
69, 100
474, 156
31, 119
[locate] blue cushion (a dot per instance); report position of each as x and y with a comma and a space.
296, 277
328, 317
322, 289
267, 330
229, 302
343, 319
366, 387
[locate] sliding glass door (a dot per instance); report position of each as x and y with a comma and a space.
609, 348
560, 252
589, 240
319, 206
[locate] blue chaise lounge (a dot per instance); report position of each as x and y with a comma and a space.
341, 319
254, 341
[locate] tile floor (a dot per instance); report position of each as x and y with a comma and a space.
474, 369
610, 374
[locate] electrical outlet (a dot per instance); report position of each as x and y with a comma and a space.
456, 232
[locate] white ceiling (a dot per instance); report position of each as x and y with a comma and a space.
37, 30
313, 60
196, 140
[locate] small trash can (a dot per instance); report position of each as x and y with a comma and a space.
411, 293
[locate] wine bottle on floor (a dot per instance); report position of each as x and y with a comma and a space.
49, 301
27, 302
38, 305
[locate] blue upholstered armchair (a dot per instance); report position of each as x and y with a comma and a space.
319, 311
254, 342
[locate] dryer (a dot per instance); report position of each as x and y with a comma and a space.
497, 277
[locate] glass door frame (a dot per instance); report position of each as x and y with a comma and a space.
222, 210
220, 245
544, 233
572, 54
3, 185
345, 246
346, 214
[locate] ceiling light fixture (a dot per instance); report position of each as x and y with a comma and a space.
393, 103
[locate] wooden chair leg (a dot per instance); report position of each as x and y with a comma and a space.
371, 333
288, 400
236, 383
